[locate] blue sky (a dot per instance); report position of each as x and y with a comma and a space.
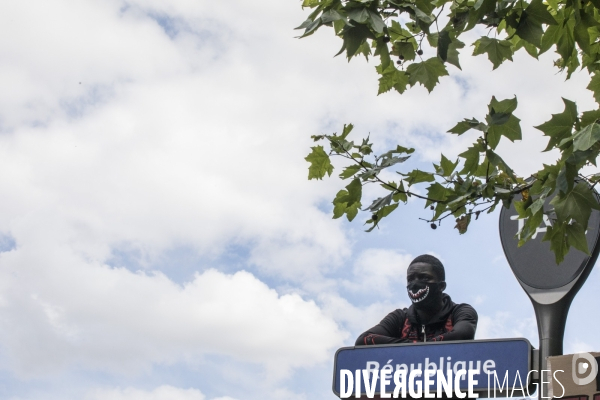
158, 236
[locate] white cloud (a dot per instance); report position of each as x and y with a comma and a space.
164, 143
197, 140
381, 271
356, 319
505, 325
164, 392
66, 51
578, 346
116, 320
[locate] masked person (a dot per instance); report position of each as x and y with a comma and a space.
433, 316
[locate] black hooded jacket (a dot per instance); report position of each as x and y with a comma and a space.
453, 322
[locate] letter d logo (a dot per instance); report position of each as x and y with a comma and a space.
580, 367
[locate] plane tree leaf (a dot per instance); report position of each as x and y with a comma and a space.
411, 42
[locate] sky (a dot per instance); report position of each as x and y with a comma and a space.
159, 238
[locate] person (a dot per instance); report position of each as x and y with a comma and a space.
432, 317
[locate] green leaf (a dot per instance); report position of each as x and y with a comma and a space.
550, 38
346, 130
354, 38
389, 161
354, 192
440, 208
498, 162
352, 211
483, 170
566, 178
447, 166
436, 192
350, 171
507, 106
453, 54
560, 125
330, 16
426, 6
482, 7
594, 178
384, 54
320, 164
558, 242
426, 72
400, 195
502, 123
511, 129
461, 127
360, 15
311, 27
538, 12
305, 24
443, 45
594, 86
379, 203
391, 186
582, 37
311, 3
576, 237
521, 208
400, 35
424, 19
340, 146
497, 119
530, 226
471, 157
433, 39
577, 204
590, 116
406, 50
497, 50
417, 176
386, 210
339, 25
467, 124
586, 137
402, 149
348, 201
566, 41
537, 205
339, 208
531, 49
392, 78
530, 30
376, 22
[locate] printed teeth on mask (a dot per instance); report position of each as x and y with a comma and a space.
420, 295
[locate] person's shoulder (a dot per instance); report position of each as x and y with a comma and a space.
464, 306
397, 314
401, 311
464, 309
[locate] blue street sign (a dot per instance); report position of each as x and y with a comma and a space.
505, 362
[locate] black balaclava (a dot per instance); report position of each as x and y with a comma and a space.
424, 295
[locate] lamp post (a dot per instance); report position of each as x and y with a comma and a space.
550, 287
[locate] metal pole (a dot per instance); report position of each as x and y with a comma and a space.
551, 288
551, 320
